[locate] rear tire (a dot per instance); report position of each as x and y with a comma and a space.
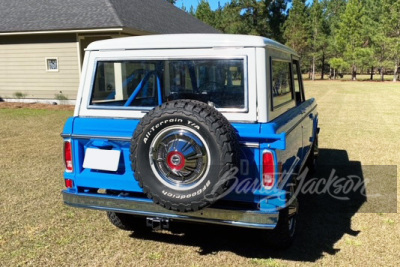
311, 163
127, 222
285, 231
184, 154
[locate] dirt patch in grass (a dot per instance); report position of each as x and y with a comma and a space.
16, 105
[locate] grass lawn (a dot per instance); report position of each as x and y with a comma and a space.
347, 77
360, 119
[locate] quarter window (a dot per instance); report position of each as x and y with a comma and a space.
297, 82
281, 83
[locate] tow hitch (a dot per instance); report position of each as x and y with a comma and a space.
157, 223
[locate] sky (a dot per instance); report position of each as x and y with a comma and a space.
194, 3
213, 3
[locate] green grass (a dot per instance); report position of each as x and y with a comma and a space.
360, 77
265, 262
24, 113
36, 228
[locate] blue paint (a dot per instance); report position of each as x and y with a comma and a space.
99, 133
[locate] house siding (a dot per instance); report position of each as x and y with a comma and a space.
23, 70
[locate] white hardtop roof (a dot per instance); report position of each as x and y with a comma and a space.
181, 41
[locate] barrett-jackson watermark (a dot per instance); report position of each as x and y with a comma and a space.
372, 188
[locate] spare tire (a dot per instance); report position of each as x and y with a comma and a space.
182, 153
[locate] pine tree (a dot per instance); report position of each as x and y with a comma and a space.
276, 18
391, 23
230, 20
296, 33
204, 13
376, 36
254, 17
318, 37
351, 37
192, 11
333, 9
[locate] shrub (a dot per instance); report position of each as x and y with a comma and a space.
19, 95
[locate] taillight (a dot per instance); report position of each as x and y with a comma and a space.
68, 156
268, 178
69, 183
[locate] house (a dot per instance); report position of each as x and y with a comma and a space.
42, 42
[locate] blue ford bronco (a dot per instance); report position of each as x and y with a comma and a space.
205, 128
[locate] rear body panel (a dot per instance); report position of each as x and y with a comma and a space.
287, 133
284, 133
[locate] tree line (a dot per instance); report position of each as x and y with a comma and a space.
332, 36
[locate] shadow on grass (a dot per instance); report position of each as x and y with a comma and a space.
323, 221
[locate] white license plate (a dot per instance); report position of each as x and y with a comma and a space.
100, 159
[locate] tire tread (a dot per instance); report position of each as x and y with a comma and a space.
219, 126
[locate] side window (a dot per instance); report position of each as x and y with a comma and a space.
281, 83
297, 81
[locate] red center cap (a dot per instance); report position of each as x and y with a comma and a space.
175, 160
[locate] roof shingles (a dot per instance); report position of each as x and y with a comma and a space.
153, 16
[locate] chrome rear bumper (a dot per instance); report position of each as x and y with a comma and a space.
241, 218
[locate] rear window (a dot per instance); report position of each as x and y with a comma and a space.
143, 84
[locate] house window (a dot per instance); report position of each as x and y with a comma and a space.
52, 64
